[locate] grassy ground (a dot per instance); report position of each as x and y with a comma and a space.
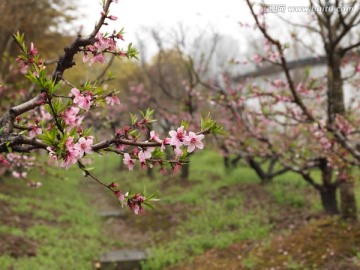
52, 227
216, 219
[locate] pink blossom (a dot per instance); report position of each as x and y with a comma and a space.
41, 67
325, 143
273, 56
120, 147
84, 146
120, 36
178, 152
35, 130
343, 125
177, 137
154, 137
77, 95
33, 50
143, 166
83, 101
257, 59
112, 17
301, 88
70, 117
120, 196
85, 57
358, 68
129, 162
100, 58
164, 143
145, 154
193, 141
52, 153
22, 65
69, 159
71, 154
44, 114
278, 83
112, 100
113, 185
3, 161
102, 43
135, 204
19, 175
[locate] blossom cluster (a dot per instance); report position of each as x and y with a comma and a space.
3, 163
178, 140
29, 59
72, 151
103, 44
133, 202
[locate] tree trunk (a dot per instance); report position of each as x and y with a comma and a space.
328, 199
336, 106
328, 189
264, 178
348, 201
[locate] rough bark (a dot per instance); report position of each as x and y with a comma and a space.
328, 189
336, 106
348, 200
329, 200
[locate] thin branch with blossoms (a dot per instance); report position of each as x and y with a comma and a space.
58, 129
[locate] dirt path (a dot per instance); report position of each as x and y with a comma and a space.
130, 230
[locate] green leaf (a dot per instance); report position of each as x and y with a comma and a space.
211, 125
185, 124
8, 147
133, 119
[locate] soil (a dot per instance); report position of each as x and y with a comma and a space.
17, 246
136, 231
12, 245
326, 243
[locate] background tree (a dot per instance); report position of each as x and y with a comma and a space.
333, 123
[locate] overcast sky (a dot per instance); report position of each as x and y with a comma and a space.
213, 15
195, 15
221, 15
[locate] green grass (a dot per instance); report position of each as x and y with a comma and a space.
290, 192
63, 224
68, 231
214, 225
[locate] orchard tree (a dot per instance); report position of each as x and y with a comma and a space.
286, 120
51, 121
310, 119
